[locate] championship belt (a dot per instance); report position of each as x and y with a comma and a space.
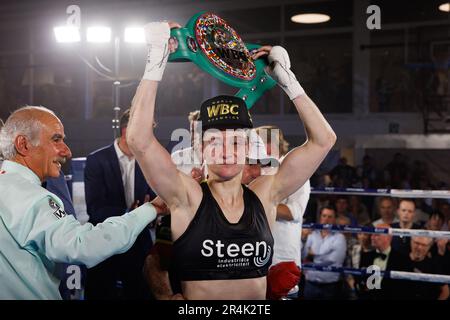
210, 43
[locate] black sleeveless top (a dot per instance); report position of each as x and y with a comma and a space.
212, 248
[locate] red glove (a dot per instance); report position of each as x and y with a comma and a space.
281, 278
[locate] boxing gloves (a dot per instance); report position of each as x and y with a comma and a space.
281, 278
279, 70
157, 36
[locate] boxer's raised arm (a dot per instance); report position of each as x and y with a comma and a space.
300, 163
155, 162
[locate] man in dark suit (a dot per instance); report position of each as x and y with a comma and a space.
386, 258
114, 184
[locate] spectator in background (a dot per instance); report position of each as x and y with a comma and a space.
343, 175
324, 248
342, 207
441, 252
386, 210
366, 179
317, 201
366, 172
114, 184
421, 261
386, 258
362, 246
420, 217
406, 212
347, 289
398, 171
359, 211
444, 209
436, 221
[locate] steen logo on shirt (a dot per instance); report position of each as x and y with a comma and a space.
59, 213
234, 255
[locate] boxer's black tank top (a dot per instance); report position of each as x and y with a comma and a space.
212, 248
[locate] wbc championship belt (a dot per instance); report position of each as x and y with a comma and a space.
215, 47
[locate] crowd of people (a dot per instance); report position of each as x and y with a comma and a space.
418, 254
361, 250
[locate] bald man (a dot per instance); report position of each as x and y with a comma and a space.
35, 231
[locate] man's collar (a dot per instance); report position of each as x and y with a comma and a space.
386, 252
15, 167
119, 151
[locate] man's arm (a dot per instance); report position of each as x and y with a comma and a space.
293, 208
61, 238
444, 294
336, 255
158, 279
284, 213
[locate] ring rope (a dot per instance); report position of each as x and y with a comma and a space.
397, 193
398, 275
375, 230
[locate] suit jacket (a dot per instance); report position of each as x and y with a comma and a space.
105, 197
390, 288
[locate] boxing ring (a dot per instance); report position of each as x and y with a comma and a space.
395, 193
76, 183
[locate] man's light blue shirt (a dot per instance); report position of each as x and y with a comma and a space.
35, 232
328, 251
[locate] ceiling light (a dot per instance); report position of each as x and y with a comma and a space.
310, 18
67, 34
134, 35
445, 7
98, 34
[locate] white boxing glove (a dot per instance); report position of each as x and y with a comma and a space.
279, 70
157, 36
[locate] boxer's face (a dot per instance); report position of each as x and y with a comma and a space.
225, 152
48, 157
